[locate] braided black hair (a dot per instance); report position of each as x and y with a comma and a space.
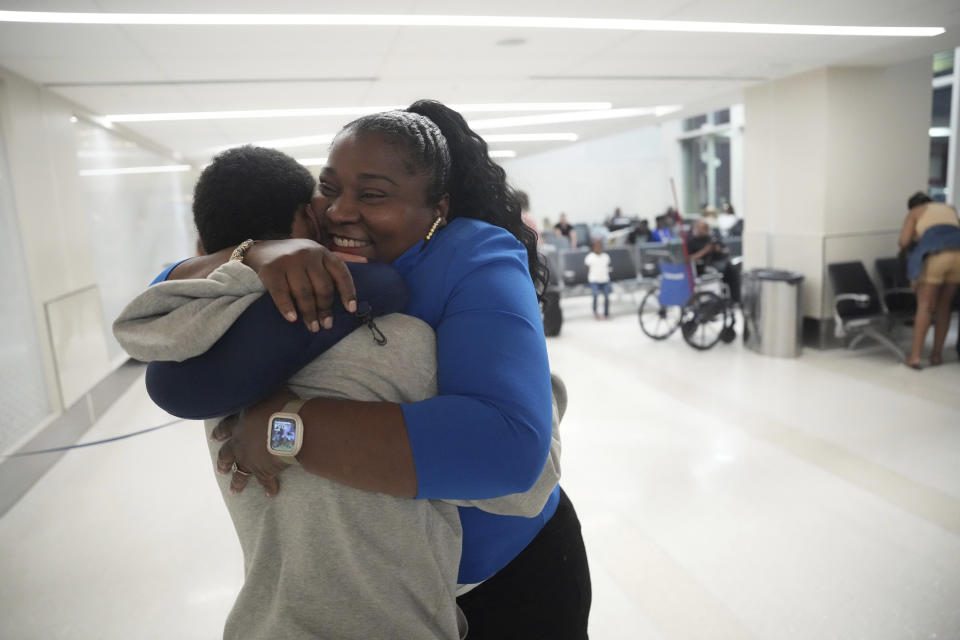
439, 141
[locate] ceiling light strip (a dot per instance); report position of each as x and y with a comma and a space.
347, 111
530, 137
319, 162
531, 22
167, 168
327, 138
582, 116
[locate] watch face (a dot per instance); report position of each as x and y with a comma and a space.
283, 435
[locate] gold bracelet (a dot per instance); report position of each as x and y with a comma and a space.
241, 251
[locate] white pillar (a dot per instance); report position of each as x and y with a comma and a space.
830, 157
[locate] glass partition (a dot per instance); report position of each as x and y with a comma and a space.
137, 202
23, 390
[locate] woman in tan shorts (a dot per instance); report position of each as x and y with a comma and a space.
934, 266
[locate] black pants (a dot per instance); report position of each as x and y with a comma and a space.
544, 593
731, 276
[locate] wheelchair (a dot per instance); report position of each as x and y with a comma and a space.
704, 317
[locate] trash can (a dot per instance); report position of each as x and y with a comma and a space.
771, 312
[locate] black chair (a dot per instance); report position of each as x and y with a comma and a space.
622, 267
583, 234
858, 310
898, 297
573, 269
648, 257
557, 242
735, 245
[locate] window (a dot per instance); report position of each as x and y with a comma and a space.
943, 78
697, 122
943, 63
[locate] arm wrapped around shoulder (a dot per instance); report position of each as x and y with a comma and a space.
260, 350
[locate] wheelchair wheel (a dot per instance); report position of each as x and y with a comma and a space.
656, 320
703, 319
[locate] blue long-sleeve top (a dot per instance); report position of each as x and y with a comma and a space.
487, 433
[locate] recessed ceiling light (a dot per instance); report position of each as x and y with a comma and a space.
167, 168
503, 153
500, 22
345, 111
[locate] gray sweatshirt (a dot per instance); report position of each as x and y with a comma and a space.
325, 560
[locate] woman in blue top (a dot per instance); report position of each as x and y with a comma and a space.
416, 188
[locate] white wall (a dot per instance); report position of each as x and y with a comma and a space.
830, 157
589, 179
72, 244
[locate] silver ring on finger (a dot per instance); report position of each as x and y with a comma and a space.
236, 469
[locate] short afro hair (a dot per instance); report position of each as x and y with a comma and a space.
249, 192
918, 199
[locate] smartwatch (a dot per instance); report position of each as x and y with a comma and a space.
285, 431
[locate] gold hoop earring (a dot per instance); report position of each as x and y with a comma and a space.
433, 229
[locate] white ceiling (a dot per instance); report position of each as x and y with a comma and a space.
134, 69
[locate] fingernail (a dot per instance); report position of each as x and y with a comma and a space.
291, 316
315, 326
328, 323
352, 306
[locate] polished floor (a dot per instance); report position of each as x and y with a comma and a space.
722, 495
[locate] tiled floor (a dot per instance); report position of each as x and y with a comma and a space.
722, 495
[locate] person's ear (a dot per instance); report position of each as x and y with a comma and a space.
310, 219
442, 208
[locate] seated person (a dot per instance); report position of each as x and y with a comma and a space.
618, 221
639, 233
663, 233
706, 250
320, 557
565, 229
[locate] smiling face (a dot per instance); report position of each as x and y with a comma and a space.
369, 200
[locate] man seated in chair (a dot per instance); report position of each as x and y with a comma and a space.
706, 250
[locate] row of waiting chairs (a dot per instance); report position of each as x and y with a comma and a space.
862, 312
631, 266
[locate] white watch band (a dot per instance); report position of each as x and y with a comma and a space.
294, 406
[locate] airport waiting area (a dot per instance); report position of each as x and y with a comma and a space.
621, 321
